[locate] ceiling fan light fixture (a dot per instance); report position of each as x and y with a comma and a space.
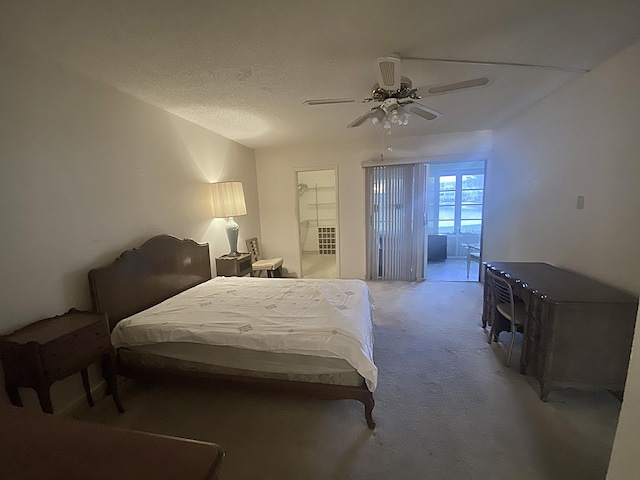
399, 117
378, 116
402, 115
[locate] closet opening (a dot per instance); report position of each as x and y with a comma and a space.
317, 223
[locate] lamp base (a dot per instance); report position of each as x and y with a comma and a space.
232, 235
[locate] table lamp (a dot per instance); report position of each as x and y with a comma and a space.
227, 199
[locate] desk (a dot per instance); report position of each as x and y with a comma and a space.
35, 445
579, 331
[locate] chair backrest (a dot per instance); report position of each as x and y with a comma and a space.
501, 291
254, 248
474, 251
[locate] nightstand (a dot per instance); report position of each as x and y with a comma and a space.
49, 350
239, 266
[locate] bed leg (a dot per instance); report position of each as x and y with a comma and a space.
369, 403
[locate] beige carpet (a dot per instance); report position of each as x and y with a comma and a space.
446, 408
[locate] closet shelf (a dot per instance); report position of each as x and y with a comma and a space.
319, 223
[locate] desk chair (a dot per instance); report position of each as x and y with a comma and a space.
272, 266
502, 300
473, 255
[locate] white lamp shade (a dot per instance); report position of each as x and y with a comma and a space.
227, 199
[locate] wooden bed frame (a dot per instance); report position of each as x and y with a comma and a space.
163, 267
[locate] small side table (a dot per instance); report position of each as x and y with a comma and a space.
49, 350
228, 266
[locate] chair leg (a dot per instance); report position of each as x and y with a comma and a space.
513, 338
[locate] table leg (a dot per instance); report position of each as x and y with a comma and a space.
87, 386
45, 398
14, 394
544, 391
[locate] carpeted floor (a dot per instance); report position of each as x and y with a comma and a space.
446, 408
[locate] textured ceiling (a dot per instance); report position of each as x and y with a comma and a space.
244, 68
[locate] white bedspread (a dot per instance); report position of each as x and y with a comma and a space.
327, 318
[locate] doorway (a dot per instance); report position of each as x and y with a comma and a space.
317, 223
454, 226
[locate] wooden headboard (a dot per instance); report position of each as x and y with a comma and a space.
143, 277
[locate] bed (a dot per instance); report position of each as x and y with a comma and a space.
170, 319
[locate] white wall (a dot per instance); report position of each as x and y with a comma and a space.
625, 461
87, 172
278, 188
582, 140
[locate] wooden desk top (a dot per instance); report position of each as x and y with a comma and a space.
560, 285
38, 446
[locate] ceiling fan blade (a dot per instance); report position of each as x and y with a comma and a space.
388, 72
421, 111
363, 118
456, 86
500, 64
328, 101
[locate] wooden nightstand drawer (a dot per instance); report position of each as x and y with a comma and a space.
73, 352
233, 266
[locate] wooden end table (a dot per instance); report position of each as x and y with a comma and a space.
228, 266
49, 350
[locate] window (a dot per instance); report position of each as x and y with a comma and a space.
447, 204
471, 203
455, 199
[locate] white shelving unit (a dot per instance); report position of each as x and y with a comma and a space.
319, 220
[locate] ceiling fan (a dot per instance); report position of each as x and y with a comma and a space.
397, 97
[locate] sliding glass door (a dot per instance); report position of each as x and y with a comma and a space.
425, 214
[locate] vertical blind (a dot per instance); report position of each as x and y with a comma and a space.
396, 226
